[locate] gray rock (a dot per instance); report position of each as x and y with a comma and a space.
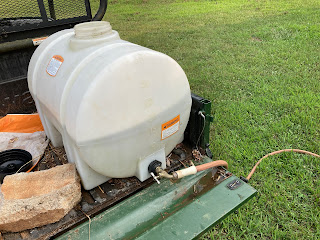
35, 199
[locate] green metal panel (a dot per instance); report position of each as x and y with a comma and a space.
172, 210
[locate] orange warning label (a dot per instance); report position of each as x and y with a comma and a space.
171, 127
54, 65
38, 41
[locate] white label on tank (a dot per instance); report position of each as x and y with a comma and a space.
171, 127
54, 65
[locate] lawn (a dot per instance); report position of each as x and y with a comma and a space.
258, 61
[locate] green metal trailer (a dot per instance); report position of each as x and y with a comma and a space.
172, 210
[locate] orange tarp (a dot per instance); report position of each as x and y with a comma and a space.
22, 123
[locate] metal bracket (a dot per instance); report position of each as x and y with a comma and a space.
234, 184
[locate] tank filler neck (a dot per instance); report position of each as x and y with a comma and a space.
92, 33
91, 30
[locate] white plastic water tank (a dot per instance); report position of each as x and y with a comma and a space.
114, 105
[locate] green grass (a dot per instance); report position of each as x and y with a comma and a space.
259, 63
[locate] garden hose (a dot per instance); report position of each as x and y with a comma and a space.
277, 152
